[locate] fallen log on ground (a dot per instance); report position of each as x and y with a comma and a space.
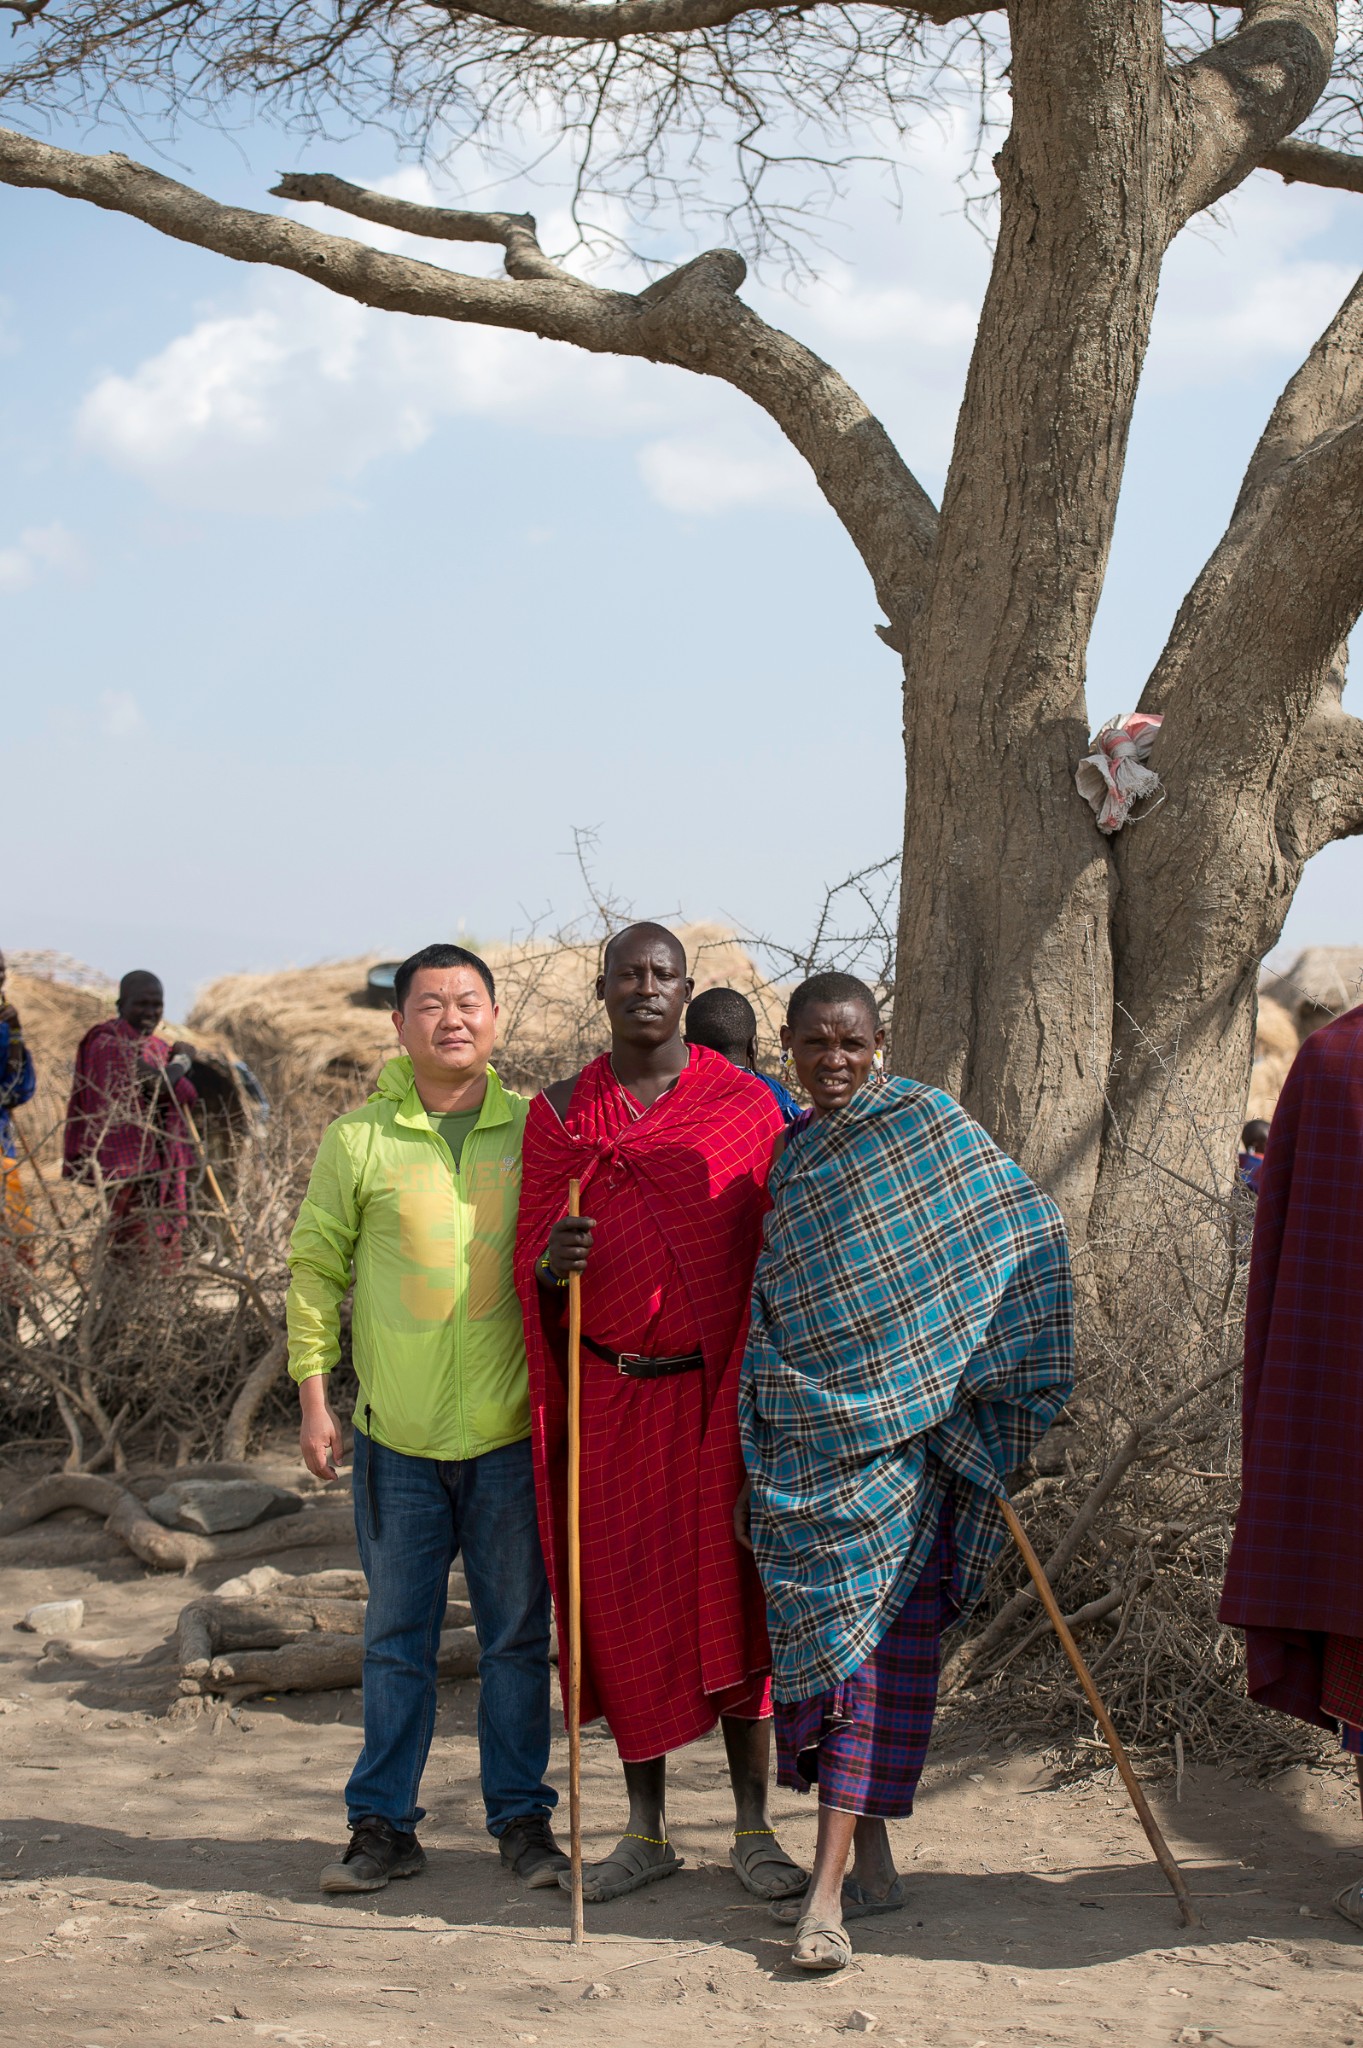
268, 1610
320, 1663
169, 1550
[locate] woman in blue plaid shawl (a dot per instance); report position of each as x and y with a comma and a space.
911, 1340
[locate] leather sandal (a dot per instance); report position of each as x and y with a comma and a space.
755, 1853
635, 1870
857, 1904
821, 1946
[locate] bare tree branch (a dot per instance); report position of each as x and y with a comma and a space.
691, 318
1307, 163
1237, 100
514, 231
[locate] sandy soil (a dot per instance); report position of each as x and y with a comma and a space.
157, 1885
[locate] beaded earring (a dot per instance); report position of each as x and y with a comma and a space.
878, 1068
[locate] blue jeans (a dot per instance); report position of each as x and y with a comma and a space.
413, 1517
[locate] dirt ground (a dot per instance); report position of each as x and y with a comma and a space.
158, 1870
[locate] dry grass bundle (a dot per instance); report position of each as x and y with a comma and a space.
309, 1030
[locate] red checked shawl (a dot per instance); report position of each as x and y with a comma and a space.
108, 1121
1293, 1579
673, 1627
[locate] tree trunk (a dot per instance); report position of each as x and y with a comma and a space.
1006, 968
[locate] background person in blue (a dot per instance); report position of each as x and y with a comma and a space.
17, 1082
726, 1021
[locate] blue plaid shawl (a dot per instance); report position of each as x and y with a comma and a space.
911, 1330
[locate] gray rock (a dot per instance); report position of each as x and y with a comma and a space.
210, 1507
55, 1618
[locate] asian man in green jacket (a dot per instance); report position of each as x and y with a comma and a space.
413, 1198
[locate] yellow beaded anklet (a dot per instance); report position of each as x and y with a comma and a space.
629, 1836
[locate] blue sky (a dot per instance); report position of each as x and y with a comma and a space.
324, 629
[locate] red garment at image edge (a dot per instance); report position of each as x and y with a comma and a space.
673, 1619
1293, 1580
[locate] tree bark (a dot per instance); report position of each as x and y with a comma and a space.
1261, 767
1007, 972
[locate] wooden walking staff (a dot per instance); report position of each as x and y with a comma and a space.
575, 1583
1163, 1854
258, 1301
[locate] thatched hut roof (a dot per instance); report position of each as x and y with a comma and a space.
1322, 982
312, 1028
1275, 1048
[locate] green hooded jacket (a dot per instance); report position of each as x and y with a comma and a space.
437, 1341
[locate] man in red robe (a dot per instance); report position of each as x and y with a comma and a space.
123, 1122
1293, 1582
671, 1145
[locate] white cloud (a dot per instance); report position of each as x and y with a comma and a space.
40, 548
1249, 291
705, 474
281, 408
120, 715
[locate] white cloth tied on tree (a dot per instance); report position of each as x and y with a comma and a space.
1114, 776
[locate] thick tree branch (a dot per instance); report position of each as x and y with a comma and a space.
614, 21
1307, 163
691, 318
514, 231
1236, 101
1321, 799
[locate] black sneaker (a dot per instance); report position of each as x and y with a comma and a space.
378, 1851
529, 1851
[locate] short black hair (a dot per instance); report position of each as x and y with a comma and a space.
137, 977
1254, 1136
438, 956
643, 925
832, 988
722, 1019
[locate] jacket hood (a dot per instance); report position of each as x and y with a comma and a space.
395, 1080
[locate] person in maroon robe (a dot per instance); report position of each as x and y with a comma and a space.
1293, 1582
123, 1123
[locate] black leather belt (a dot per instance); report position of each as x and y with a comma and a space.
635, 1366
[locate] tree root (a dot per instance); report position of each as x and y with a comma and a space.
167, 1550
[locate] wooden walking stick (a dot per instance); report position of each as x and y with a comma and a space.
1163, 1854
578, 1935
258, 1301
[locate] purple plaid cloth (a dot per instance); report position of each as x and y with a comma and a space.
1293, 1577
863, 1741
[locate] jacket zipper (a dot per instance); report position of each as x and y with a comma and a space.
461, 1296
